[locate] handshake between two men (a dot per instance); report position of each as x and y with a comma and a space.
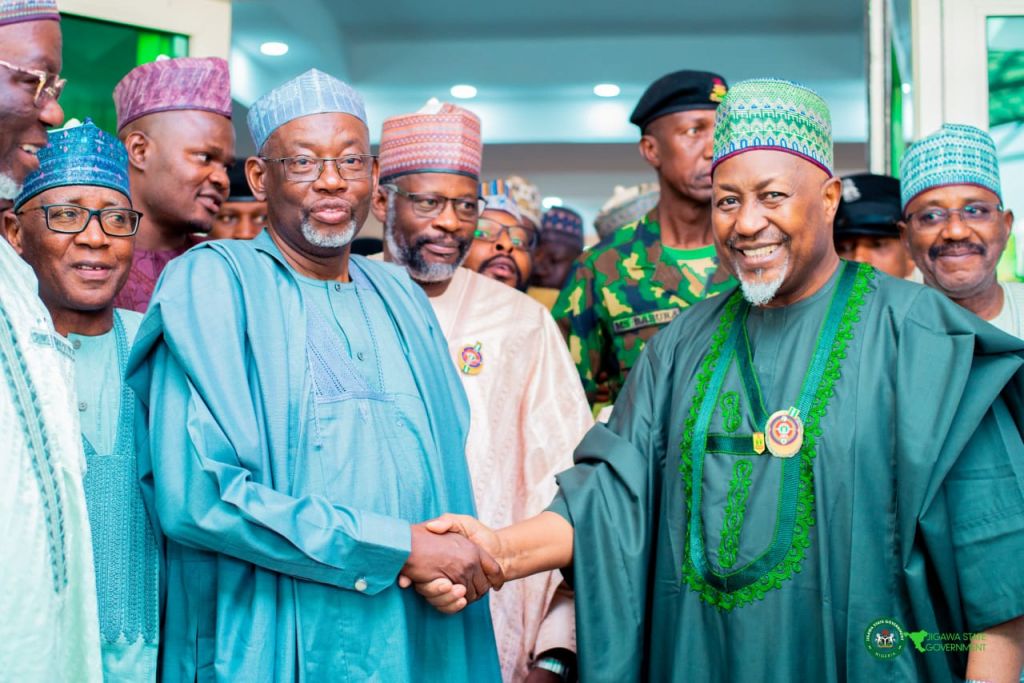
455, 559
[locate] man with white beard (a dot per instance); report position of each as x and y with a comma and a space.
50, 627
800, 472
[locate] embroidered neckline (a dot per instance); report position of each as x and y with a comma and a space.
723, 598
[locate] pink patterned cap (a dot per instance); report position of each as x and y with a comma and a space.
16, 11
185, 83
440, 138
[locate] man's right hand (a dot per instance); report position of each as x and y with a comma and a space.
471, 528
538, 544
441, 593
453, 561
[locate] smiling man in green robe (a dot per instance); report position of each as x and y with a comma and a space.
800, 472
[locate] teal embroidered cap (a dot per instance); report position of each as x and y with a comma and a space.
767, 113
956, 154
78, 154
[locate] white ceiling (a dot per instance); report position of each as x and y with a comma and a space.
535, 62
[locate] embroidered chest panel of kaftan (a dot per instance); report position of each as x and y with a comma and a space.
125, 551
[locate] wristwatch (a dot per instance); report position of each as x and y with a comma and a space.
554, 665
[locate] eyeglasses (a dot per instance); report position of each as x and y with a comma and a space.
977, 214
306, 169
520, 236
467, 209
71, 219
48, 84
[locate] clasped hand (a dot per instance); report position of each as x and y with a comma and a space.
452, 562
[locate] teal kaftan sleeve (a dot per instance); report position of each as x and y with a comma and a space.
960, 465
609, 498
213, 483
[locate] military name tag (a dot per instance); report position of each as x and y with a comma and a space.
628, 323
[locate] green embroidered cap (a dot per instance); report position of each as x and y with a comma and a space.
766, 113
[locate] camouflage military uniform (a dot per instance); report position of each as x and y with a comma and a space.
622, 292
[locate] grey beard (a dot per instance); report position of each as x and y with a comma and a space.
409, 257
759, 292
329, 239
8, 188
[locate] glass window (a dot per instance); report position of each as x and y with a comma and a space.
97, 54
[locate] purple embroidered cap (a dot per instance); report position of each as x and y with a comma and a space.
185, 83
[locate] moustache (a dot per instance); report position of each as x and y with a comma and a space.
956, 249
327, 205
737, 242
460, 243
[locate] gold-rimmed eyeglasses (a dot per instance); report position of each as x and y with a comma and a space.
51, 85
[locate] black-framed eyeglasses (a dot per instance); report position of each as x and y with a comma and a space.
430, 205
520, 236
307, 169
51, 85
71, 219
978, 214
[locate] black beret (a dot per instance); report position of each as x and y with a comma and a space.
240, 190
870, 206
678, 91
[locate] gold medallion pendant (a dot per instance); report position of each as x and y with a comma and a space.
784, 433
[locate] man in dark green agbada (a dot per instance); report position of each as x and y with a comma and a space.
801, 472
636, 280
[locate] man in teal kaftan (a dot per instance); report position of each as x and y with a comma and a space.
74, 224
304, 416
801, 471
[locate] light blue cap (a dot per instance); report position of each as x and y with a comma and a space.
956, 154
314, 92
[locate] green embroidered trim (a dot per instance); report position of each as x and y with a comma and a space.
731, 417
812, 430
735, 509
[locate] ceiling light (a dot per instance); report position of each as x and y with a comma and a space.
551, 202
607, 90
463, 92
274, 48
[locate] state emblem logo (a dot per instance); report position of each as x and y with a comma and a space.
885, 638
